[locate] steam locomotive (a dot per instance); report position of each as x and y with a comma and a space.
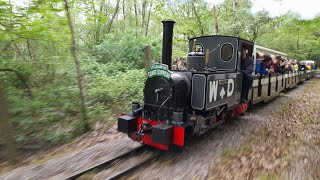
182, 103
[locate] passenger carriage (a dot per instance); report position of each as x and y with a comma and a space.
268, 87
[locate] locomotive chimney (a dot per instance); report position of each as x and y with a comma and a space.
167, 42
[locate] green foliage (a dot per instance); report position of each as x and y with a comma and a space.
127, 49
113, 84
48, 113
298, 38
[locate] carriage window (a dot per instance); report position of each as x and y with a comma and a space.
226, 52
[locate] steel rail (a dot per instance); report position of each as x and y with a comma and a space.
128, 170
105, 163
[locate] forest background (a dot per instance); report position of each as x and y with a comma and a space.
40, 75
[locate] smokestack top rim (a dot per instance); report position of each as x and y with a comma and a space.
168, 21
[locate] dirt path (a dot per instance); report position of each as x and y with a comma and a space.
259, 145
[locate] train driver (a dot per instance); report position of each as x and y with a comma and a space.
247, 68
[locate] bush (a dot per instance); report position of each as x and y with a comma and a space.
112, 94
126, 48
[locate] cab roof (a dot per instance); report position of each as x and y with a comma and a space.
239, 38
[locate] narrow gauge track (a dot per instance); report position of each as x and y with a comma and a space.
120, 165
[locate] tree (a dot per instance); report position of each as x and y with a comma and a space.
216, 25
78, 67
255, 27
113, 16
198, 19
143, 13
22, 79
234, 12
148, 19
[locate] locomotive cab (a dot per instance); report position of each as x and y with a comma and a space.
219, 83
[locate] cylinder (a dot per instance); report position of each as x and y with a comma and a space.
167, 42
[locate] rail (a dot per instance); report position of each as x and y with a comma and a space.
146, 155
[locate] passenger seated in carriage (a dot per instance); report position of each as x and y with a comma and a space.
312, 66
289, 65
308, 66
261, 67
303, 67
258, 58
272, 66
281, 66
295, 65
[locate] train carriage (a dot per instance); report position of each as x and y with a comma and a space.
267, 87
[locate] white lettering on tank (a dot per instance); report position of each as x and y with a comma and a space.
230, 87
222, 93
213, 90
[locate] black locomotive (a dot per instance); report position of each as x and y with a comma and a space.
190, 102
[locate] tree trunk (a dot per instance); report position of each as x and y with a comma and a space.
199, 19
98, 14
255, 33
147, 56
216, 25
298, 41
109, 26
101, 4
18, 51
143, 13
93, 7
188, 9
78, 67
6, 129
309, 54
23, 81
234, 9
123, 10
97, 21
136, 15
29, 50
148, 20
